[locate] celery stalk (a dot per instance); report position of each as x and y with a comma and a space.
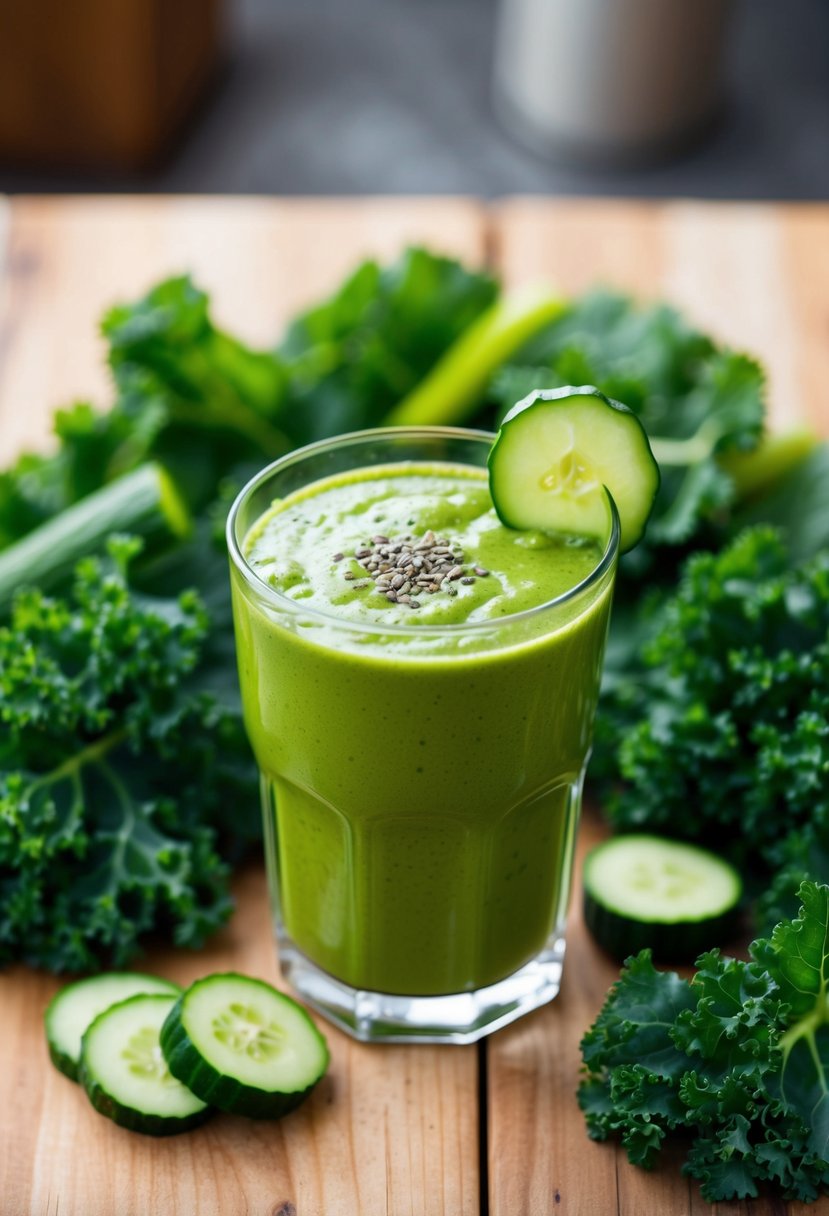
455, 385
144, 502
775, 456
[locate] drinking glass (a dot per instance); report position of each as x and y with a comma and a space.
421, 784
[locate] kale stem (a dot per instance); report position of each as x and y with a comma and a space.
807, 1027
93, 753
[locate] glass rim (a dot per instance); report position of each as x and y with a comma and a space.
284, 602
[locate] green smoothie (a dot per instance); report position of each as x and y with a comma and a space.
422, 741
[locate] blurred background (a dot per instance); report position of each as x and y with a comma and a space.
703, 98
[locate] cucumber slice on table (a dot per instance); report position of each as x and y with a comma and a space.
243, 1047
77, 1005
557, 451
674, 897
126, 1076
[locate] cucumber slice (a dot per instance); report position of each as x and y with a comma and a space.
77, 1005
674, 897
243, 1047
555, 454
126, 1076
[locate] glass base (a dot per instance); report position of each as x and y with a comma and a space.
462, 1017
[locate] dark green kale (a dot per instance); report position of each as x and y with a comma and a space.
734, 1063
352, 359
726, 736
801, 854
187, 395
207, 407
797, 503
121, 767
341, 365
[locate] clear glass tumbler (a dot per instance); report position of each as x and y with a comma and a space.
421, 786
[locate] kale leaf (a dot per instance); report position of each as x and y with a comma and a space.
207, 407
187, 395
119, 767
726, 736
737, 1059
354, 357
802, 853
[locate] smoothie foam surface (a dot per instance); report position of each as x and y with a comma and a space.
306, 548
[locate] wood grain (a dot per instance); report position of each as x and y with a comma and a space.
390, 1130
67, 260
757, 277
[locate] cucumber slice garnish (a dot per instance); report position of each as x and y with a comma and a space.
555, 454
126, 1076
77, 1005
243, 1047
676, 898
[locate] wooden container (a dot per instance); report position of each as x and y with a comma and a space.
101, 84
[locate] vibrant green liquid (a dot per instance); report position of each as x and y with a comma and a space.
424, 785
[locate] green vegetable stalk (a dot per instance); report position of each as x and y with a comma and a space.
450, 393
755, 472
143, 503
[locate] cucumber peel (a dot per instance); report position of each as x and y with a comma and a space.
125, 1075
242, 1046
669, 896
70, 1013
557, 455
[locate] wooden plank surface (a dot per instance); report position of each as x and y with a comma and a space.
758, 278
64, 261
391, 1130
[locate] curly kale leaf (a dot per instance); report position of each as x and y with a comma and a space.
696, 400
188, 395
632, 1063
354, 357
206, 406
801, 854
731, 742
114, 767
734, 1061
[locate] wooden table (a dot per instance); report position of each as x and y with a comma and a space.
401, 1130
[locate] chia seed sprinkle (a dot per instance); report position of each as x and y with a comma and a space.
425, 565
